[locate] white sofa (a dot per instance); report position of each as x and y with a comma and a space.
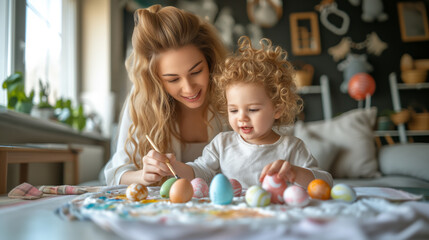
345, 147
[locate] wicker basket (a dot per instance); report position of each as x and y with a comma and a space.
414, 76
400, 117
419, 121
304, 76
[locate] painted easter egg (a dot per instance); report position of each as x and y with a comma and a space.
343, 192
165, 188
256, 196
276, 186
236, 187
201, 189
181, 191
221, 190
319, 189
136, 192
296, 196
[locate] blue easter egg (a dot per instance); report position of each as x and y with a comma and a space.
221, 191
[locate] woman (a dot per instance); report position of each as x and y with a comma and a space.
174, 54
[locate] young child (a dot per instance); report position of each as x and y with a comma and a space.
255, 89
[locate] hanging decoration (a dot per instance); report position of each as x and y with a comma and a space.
328, 7
206, 9
225, 24
265, 13
353, 64
373, 44
361, 87
371, 10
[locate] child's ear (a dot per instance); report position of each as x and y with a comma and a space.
278, 112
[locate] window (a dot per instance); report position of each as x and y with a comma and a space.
4, 41
42, 40
43, 35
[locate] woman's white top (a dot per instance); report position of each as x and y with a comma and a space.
120, 162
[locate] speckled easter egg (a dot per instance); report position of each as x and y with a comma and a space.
296, 196
343, 192
221, 190
136, 192
276, 187
319, 189
256, 196
201, 189
165, 188
236, 187
181, 191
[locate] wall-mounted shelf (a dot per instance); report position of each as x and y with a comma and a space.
395, 133
394, 88
323, 89
417, 86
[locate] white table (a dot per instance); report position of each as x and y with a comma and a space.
36, 219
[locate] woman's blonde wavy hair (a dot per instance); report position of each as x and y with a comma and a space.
152, 110
267, 66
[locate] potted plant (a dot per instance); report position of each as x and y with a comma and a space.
75, 118
43, 110
383, 120
16, 97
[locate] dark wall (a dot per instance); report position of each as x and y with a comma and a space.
383, 65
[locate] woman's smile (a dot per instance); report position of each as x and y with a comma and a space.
194, 98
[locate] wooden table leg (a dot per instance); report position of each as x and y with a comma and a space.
71, 169
76, 167
23, 172
3, 172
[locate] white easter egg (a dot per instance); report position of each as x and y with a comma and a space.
256, 196
296, 196
343, 192
136, 192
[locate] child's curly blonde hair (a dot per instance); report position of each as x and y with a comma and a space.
268, 67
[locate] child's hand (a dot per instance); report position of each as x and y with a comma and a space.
154, 166
282, 168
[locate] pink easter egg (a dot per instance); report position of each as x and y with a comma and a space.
276, 187
201, 189
236, 187
296, 196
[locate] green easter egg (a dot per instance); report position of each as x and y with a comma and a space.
165, 188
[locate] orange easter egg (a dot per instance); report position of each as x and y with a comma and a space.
319, 189
181, 191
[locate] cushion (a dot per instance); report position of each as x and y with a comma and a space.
352, 133
324, 151
405, 159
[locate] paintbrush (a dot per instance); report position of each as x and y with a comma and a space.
168, 163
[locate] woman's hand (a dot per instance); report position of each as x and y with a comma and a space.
155, 167
282, 168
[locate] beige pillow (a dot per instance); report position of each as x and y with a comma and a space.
323, 151
352, 132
